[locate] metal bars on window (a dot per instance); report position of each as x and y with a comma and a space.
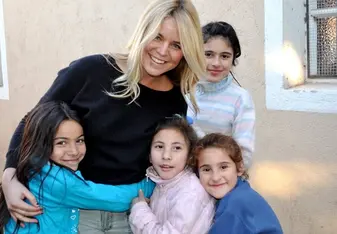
322, 38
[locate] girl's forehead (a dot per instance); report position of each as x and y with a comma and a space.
213, 155
69, 128
170, 134
168, 131
218, 43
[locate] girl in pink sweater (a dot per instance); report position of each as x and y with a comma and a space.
179, 203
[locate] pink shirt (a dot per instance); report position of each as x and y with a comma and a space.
179, 205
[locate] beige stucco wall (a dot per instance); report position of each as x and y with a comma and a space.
295, 162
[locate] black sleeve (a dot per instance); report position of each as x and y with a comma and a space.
68, 83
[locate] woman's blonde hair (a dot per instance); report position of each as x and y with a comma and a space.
190, 67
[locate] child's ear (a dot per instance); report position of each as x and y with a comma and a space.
241, 169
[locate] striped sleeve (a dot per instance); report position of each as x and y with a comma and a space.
244, 127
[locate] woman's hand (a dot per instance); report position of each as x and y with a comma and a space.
140, 198
15, 193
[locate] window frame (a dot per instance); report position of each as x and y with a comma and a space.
311, 14
4, 90
317, 97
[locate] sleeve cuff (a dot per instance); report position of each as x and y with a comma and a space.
141, 214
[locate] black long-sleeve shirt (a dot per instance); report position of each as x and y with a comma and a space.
118, 134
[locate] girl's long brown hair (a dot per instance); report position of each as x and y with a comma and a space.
36, 146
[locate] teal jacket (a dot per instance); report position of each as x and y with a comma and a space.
61, 193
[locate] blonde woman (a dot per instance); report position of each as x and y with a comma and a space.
120, 99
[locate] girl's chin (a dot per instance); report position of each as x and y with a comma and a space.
167, 176
214, 79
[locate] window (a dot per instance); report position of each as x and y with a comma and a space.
1, 82
4, 93
322, 38
300, 47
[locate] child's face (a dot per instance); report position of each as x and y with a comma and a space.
69, 147
219, 58
217, 171
169, 152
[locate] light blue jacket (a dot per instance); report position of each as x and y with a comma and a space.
61, 193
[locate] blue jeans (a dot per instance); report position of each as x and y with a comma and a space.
106, 222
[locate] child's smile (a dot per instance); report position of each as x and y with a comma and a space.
217, 171
69, 147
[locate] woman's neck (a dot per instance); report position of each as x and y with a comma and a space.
122, 65
161, 83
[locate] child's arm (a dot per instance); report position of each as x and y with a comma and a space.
115, 198
182, 217
75, 192
244, 127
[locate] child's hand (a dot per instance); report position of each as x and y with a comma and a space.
140, 198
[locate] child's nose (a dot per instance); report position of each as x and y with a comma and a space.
216, 177
167, 155
73, 150
216, 61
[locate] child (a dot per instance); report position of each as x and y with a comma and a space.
179, 203
51, 149
224, 106
240, 208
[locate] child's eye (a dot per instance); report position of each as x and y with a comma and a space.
176, 148
208, 54
61, 143
80, 141
225, 56
158, 146
206, 169
224, 167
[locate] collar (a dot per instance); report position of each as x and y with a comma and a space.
211, 87
153, 175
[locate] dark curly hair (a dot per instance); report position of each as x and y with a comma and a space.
221, 141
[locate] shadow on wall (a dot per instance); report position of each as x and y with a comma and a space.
295, 190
